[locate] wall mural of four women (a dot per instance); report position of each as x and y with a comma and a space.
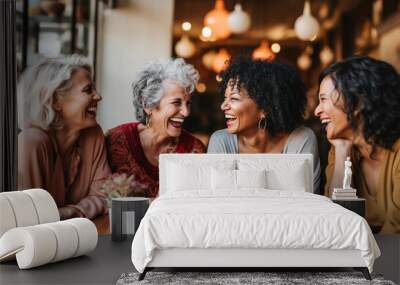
62, 148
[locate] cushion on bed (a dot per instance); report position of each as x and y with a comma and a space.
223, 179
192, 172
184, 176
281, 175
251, 178
236, 179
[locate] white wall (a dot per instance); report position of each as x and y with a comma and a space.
136, 32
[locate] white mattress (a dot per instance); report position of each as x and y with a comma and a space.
256, 218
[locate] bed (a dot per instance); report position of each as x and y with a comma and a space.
247, 210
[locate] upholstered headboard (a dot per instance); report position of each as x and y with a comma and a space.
282, 168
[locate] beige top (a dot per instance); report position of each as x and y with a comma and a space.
382, 209
40, 166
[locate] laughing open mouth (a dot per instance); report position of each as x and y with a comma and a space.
325, 123
92, 110
176, 122
229, 119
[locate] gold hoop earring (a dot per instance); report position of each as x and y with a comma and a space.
262, 126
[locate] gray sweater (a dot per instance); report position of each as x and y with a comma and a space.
301, 140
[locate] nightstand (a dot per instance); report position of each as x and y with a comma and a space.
128, 205
357, 205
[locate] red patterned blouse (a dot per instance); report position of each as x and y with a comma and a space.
126, 155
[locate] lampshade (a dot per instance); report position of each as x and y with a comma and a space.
306, 26
239, 21
304, 61
217, 20
221, 60
208, 59
263, 52
326, 55
184, 47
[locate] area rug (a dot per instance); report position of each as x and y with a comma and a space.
243, 278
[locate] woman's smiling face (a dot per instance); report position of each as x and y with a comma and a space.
173, 109
330, 111
78, 107
241, 112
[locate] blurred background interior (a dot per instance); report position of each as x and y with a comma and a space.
121, 36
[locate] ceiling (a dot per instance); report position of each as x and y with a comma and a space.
271, 19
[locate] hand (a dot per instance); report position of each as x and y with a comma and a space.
68, 213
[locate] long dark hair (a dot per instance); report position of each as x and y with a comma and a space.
370, 90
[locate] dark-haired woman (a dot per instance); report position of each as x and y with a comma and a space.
359, 103
264, 110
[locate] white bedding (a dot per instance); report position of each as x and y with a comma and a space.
252, 218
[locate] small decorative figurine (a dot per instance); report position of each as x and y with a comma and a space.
347, 174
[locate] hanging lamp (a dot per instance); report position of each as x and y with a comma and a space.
208, 59
263, 52
306, 26
304, 61
217, 20
184, 47
326, 55
238, 20
221, 60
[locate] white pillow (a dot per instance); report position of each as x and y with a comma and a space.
182, 177
186, 172
236, 179
293, 178
251, 178
281, 174
223, 179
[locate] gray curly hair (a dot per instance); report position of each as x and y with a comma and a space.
148, 85
39, 85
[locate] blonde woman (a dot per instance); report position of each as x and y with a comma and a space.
61, 147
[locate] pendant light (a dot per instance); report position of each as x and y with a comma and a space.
238, 20
306, 26
184, 47
208, 59
217, 20
263, 52
326, 55
304, 61
221, 60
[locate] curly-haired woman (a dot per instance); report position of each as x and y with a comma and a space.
264, 110
359, 104
161, 97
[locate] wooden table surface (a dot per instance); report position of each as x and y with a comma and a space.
102, 224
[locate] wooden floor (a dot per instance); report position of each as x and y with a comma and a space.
102, 224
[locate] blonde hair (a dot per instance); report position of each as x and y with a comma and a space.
38, 87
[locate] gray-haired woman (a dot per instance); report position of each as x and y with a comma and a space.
161, 97
61, 148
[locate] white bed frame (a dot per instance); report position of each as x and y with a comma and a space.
234, 257
250, 257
